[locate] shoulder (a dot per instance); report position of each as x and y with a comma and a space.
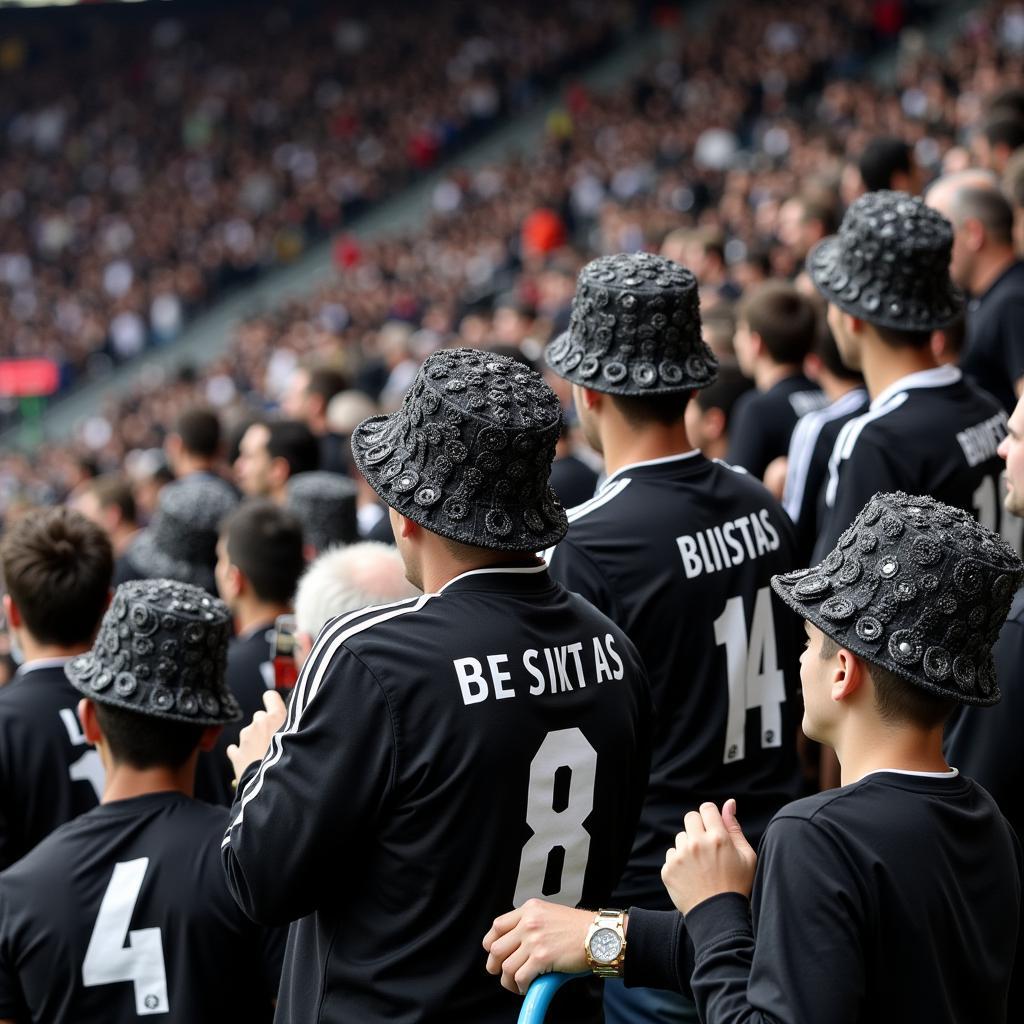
602, 506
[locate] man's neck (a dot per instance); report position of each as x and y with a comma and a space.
990, 268
187, 464
883, 365
32, 650
124, 782
439, 569
835, 387
767, 373
250, 616
624, 447
893, 749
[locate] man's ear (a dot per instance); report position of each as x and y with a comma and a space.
591, 399
279, 471
713, 423
849, 675
11, 612
757, 346
89, 721
405, 527
209, 738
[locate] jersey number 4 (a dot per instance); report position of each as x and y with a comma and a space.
561, 797
752, 668
141, 960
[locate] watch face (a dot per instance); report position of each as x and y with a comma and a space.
605, 945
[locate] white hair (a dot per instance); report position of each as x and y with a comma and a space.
345, 579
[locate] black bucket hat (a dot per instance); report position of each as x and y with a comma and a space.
635, 329
468, 455
889, 264
325, 504
917, 587
161, 650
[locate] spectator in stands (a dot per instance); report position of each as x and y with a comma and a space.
775, 334
325, 504
343, 580
194, 444
109, 503
271, 453
803, 222
1013, 188
997, 140
57, 568
148, 854
309, 394
259, 562
887, 162
985, 265
709, 412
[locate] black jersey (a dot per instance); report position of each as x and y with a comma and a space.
572, 480
762, 422
895, 899
444, 758
993, 353
930, 433
48, 772
125, 913
812, 442
249, 675
679, 552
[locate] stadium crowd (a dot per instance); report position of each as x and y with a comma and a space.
669, 478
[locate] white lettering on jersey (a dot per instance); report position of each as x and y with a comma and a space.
729, 544
88, 767
980, 442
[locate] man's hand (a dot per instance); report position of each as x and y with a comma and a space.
711, 856
537, 938
254, 739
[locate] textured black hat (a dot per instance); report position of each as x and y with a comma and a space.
161, 650
181, 542
917, 587
889, 264
635, 329
325, 504
468, 455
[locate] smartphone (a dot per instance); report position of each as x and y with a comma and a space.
282, 652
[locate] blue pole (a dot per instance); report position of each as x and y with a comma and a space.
540, 994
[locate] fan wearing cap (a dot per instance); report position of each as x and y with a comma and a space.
124, 912
895, 897
886, 279
678, 550
449, 755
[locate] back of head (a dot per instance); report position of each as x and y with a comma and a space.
199, 430
114, 491
265, 542
881, 159
1004, 129
293, 441
57, 567
784, 319
143, 741
347, 579
990, 208
325, 382
723, 393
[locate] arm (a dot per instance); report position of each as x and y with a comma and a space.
307, 809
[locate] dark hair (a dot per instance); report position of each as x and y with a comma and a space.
1004, 130
146, 741
1008, 102
325, 382
956, 335
881, 159
639, 412
723, 393
896, 337
819, 210
991, 208
293, 441
113, 490
199, 430
57, 567
265, 542
898, 700
784, 318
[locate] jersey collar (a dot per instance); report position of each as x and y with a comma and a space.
937, 377
41, 663
500, 576
664, 461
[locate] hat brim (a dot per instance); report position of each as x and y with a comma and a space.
376, 431
826, 257
574, 356
83, 668
153, 563
873, 653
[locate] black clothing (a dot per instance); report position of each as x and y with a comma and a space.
679, 552
250, 673
49, 774
993, 354
572, 480
890, 900
762, 421
812, 442
124, 912
929, 433
436, 751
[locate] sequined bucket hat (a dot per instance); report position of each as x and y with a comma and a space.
916, 587
468, 455
635, 329
325, 504
161, 650
889, 264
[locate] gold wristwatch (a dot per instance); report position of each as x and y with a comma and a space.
605, 944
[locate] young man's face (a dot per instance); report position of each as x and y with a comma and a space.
1011, 450
816, 675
